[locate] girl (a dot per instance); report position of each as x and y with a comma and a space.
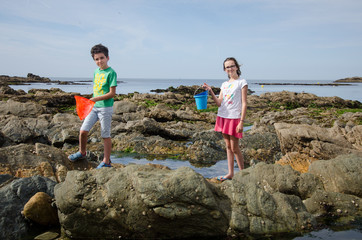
232, 103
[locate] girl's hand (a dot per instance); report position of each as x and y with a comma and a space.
240, 127
206, 87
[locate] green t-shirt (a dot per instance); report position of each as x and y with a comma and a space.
102, 82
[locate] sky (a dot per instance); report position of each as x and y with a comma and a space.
183, 39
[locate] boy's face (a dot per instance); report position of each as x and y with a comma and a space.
101, 60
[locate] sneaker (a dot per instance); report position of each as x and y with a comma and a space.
76, 156
103, 164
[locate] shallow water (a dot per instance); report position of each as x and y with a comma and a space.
328, 234
218, 169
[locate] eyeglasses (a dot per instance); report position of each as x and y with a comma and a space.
232, 66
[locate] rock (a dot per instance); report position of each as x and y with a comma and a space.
161, 113
124, 106
283, 179
64, 128
299, 162
137, 202
145, 201
28, 109
317, 142
203, 152
7, 80
40, 210
264, 201
13, 197
17, 130
47, 236
8, 90
292, 100
28, 160
263, 147
350, 79
342, 174
334, 204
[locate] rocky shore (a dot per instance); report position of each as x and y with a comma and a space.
303, 156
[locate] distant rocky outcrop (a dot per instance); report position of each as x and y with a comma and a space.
31, 78
6, 80
350, 80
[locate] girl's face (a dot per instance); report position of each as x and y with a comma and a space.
230, 68
101, 60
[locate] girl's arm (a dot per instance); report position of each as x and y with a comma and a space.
244, 103
217, 100
110, 94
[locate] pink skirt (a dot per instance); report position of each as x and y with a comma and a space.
228, 126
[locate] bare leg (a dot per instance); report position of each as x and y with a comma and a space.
237, 152
107, 150
230, 156
83, 137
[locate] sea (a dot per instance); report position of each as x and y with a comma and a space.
350, 91
322, 88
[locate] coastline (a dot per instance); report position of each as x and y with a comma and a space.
322, 88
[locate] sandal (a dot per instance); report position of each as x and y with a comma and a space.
103, 164
221, 178
76, 156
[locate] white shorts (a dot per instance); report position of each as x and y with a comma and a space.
104, 115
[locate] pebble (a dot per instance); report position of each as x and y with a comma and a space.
47, 235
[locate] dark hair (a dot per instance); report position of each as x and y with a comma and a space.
236, 64
99, 48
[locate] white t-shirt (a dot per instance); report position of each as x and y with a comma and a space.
231, 99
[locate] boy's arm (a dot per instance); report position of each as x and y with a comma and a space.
110, 94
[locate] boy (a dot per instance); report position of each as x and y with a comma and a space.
104, 89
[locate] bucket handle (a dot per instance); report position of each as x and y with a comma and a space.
197, 89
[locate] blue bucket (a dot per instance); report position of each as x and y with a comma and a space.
201, 100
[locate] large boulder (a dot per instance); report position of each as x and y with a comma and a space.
265, 200
139, 201
14, 194
342, 174
342, 188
